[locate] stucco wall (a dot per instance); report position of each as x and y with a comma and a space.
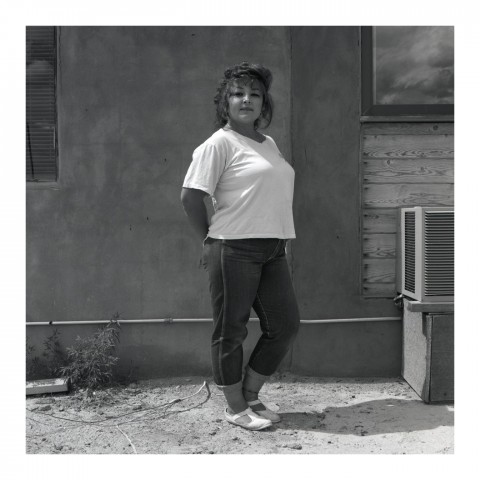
111, 236
325, 144
133, 103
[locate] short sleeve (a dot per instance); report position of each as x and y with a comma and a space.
208, 164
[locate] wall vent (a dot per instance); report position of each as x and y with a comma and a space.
409, 260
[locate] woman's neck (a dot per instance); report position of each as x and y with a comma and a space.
246, 130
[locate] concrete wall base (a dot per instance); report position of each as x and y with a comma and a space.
357, 349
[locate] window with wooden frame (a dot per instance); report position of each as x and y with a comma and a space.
407, 70
41, 111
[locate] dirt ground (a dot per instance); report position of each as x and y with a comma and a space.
185, 415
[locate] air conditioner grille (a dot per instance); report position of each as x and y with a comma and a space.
409, 251
439, 253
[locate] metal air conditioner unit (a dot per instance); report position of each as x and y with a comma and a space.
426, 255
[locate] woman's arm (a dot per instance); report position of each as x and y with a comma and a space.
194, 207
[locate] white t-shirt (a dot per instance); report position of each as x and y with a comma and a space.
251, 182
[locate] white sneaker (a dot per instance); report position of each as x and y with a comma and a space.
267, 413
248, 419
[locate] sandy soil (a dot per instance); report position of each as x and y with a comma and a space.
184, 415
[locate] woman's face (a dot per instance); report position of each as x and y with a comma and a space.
245, 101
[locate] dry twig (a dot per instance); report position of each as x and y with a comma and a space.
144, 410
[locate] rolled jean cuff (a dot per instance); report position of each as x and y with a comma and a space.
231, 388
252, 373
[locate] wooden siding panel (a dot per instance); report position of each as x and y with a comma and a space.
379, 245
379, 220
403, 165
379, 290
407, 195
408, 146
418, 170
378, 271
408, 129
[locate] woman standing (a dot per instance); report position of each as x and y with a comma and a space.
244, 246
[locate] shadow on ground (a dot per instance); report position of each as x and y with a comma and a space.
374, 417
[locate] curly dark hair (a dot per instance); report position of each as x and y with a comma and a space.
253, 72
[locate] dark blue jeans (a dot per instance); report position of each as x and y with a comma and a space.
243, 274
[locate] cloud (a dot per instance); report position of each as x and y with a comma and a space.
414, 65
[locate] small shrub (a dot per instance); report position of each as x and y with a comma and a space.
91, 360
49, 363
34, 366
53, 354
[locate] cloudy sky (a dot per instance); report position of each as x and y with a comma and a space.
413, 65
